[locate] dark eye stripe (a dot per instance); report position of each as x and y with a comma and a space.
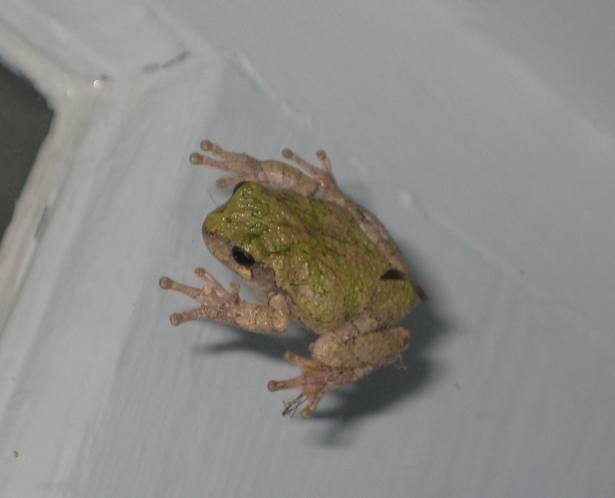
392, 274
242, 258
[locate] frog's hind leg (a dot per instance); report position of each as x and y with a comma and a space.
315, 381
339, 359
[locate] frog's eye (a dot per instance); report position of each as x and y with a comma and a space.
392, 274
241, 257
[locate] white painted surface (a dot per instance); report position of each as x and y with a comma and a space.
462, 127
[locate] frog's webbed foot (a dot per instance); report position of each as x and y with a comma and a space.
216, 302
316, 380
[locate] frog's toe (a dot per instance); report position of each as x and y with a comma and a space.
207, 145
200, 313
201, 160
291, 407
167, 283
279, 385
299, 161
241, 166
325, 161
309, 410
316, 380
301, 361
216, 150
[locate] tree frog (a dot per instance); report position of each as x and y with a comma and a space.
312, 255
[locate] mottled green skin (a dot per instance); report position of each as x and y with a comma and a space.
321, 258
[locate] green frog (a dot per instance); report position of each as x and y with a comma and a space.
311, 255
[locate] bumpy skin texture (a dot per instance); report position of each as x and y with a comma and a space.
325, 264
311, 254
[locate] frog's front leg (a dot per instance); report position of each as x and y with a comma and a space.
339, 359
227, 307
245, 168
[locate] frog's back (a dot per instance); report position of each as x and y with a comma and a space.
329, 268
321, 258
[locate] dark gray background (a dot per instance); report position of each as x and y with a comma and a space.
25, 118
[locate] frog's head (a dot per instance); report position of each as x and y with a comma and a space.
234, 232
